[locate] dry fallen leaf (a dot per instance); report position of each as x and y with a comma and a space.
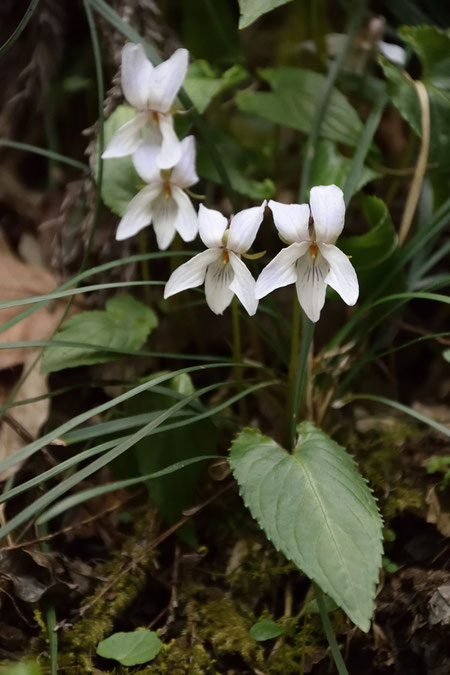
21, 280
438, 511
439, 606
438, 412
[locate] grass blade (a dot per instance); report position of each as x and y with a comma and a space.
54, 156
403, 408
103, 447
38, 444
20, 28
85, 495
42, 502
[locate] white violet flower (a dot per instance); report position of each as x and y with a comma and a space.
151, 90
220, 266
163, 201
311, 261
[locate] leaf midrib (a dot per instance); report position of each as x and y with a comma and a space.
321, 506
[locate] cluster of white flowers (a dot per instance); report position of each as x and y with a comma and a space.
164, 162
167, 166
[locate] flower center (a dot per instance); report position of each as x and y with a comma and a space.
165, 176
313, 250
225, 257
155, 118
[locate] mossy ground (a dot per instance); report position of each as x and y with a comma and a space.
218, 592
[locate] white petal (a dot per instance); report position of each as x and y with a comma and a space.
244, 227
217, 285
192, 273
166, 80
144, 160
152, 133
328, 211
138, 214
170, 152
281, 271
136, 74
394, 53
126, 139
211, 226
186, 223
342, 276
243, 284
165, 212
291, 220
311, 285
184, 174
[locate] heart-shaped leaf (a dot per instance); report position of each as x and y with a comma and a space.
432, 45
330, 166
125, 324
130, 649
120, 179
253, 9
370, 249
265, 630
202, 83
293, 103
317, 509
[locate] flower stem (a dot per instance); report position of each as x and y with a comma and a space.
145, 267
237, 353
295, 347
297, 368
50, 616
329, 632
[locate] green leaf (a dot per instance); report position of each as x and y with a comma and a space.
265, 630
446, 355
440, 465
370, 249
253, 9
330, 166
130, 649
432, 46
238, 166
402, 93
389, 566
317, 509
120, 179
210, 31
125, 324
202, 84
292, 103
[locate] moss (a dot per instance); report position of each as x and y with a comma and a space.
381, 462
293, 647
178, 658
79, 645
301, 642
219, 623
403, 498
258, 564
